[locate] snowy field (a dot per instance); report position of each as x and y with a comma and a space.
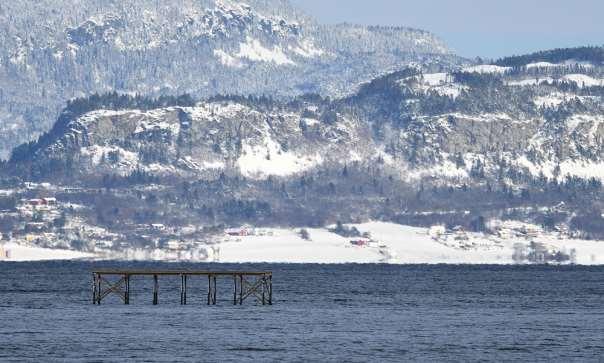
391, 243
396, 244
20, 253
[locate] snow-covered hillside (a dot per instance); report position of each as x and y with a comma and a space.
483, 122
210, 137
67, 48
546, 120
421, 146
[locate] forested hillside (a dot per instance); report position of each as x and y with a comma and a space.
413, 147
56, 50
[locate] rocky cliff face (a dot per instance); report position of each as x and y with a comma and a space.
543, 119
227, 135
487, 123
60, 49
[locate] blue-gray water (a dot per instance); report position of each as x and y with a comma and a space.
321, 313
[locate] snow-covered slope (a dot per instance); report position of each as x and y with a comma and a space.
482, 123
59, 49
390, 243
546, 122
209, 137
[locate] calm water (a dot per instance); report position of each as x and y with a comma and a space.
321, 313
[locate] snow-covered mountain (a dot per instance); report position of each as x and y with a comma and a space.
495, 123
513, 152
55, 50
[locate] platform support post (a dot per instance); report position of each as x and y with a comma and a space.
185, 292
127, 288
234, 289
214, 290
209, 289
94, 289
270, 289
98, 291
182, 289
240, 289
155, 290
264, 281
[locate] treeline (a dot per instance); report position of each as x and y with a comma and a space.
580, 54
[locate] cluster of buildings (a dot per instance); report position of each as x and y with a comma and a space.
457, 237
386, 253
527, 249
246, 231
34, 221
540, 253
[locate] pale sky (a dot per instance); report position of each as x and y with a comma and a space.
487, 28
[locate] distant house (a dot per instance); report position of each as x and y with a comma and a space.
539, 253
103, 244
174, 245
242, 231
35, 202
158, 227
437, 231
360, 242
49, 201
72, 190
4, 253
35, 227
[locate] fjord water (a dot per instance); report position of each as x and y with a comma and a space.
321, 313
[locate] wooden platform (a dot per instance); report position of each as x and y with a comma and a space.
258, 284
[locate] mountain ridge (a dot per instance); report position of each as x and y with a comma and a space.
485, 157
550, 116
169, 48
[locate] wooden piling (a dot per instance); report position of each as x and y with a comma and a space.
127, 292
234, 289
183, 289
270, 289
98, 281
155, 290
94, 298
185, 293
263, 290
240, 289
214, 290
209, 288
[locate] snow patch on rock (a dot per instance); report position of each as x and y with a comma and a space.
227, 59
215, 110
307, 49
125, 160
253, 50
486, 68
269, 159
583, 80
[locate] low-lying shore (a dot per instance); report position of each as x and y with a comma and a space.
388, 243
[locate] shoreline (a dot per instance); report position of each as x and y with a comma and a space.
389, 244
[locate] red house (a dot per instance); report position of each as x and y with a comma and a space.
237, 232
